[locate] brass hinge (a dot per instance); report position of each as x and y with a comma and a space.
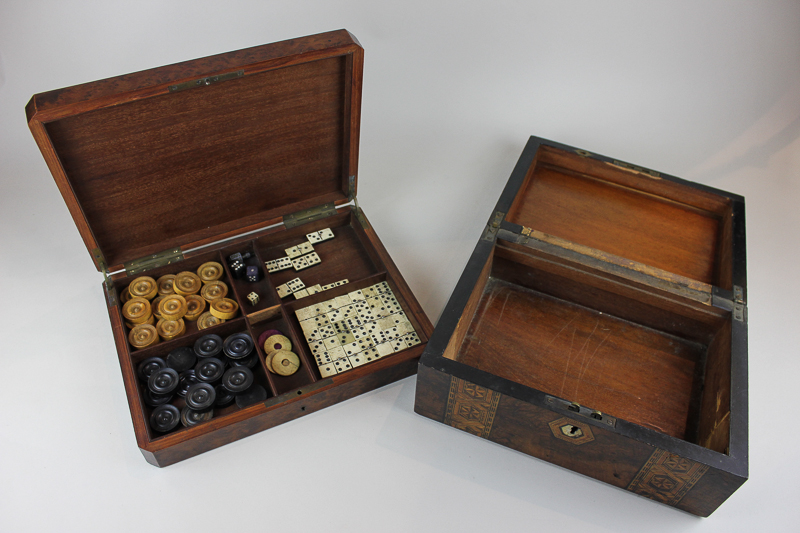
351, 195
525, 235
109, 283
309, 215
738, 295
202, 82
493, 226
636, 168
150, 262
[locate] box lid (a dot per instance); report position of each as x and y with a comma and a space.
191, 153
633, 222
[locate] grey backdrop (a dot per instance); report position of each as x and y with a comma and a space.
709, 91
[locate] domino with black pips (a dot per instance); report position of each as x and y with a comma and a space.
295, 284
356, 360
314, 289
283, 290
293, 252
299, 263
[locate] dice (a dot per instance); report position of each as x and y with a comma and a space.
237, 269
253, 298
251, 274
240, 257
236, 263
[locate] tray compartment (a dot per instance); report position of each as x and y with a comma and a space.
241, 287
162, 349
305, 375
594, 341
189, 265
346, 256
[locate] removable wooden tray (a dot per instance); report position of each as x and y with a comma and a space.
248, 151
601, 325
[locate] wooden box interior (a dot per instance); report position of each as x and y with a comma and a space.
615, 345
350, 255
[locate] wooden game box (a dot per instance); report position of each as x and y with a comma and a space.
249, 151
601, 325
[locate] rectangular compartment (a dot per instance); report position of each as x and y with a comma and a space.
244, 152
600, 324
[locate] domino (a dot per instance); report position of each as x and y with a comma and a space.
356, 360
398, 344
302, 293
314, 289
384, 349
323, 358
353, 322
412, 339
336, 353
371, 327
370, 354
342, 301
340, 327
349, 312
391, 333
293, 252
326, 331
283, 263
314, 237
345, 338
331, 342
325, 234
351, 349
295, 284
361, 333
321, 321
383, 288
342, 365
306, 313
317, 347
300, 263
342, 282
327, 370
356, 295
283, 290
369, 292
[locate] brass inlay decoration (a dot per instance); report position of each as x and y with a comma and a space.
471, 408
666, 477
571, 431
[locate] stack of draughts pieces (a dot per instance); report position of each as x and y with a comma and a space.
354, 329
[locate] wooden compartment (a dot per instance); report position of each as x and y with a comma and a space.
248, 151
600, 324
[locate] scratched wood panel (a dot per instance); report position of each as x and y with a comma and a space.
648, 229
606, 363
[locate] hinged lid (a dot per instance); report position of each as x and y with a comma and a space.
187, 154
624, 219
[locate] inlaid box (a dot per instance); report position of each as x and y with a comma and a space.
601, 325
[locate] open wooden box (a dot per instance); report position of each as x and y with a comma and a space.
248, 151
601, 325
